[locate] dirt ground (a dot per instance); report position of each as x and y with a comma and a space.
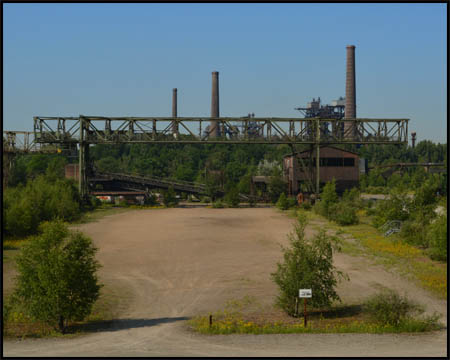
176, 263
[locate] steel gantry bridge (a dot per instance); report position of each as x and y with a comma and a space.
82, 131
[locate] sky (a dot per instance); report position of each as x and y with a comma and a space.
124, 59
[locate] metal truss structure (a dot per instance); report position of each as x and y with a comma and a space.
57, 134
113, 130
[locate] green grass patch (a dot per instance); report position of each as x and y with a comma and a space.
17, 324
340, 319
389, 251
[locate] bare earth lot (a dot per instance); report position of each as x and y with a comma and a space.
176, 263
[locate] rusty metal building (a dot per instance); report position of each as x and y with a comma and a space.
335, 163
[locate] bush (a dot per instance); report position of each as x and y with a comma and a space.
307, 265
276, 187
414, 233
343, 213
218, 204
282, 202
306, 205
169, 197
292, 201
57, 279
151, 199
42, 199
327, 198
397, 207
437, 238
232, 197
389, 308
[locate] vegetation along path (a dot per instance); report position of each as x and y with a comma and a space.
172, 264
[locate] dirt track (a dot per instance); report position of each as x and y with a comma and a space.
175, 263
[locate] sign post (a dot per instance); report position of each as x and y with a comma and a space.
305, 293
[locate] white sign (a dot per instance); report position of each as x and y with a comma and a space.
305, 293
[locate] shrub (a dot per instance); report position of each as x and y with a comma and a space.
218, 204
42, 199
397, 207
57, 279
276, 187
343, 213
169, 197
282, 202
151, 199
305, 205
389, 308
413, 233
307, 265
437, 238
232, 197
327, 198
292, 201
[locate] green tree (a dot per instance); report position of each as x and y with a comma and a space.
169, 197
277, 185
57, 280
282, 202
307, 265
327, 198
232, 197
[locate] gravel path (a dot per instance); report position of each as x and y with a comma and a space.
176, 263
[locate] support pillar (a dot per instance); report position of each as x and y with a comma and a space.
83, 160
317, 160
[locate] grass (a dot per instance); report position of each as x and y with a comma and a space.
339, 319
390, 251
105, 309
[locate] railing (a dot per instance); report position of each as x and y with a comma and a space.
390, 227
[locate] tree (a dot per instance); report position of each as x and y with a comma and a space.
328, 198
232, 197
282, 202
277, 185
169, 197
307, 265
57, 279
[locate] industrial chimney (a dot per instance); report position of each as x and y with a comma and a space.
174, 111
350, 93
413, 139
215, 131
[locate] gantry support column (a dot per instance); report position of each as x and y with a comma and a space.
317, 159
83, 160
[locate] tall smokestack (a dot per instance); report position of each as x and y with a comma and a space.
215, 131
174, 111
350, 92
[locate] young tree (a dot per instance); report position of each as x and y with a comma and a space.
307, 265
57, 279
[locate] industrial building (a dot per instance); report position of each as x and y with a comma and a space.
344, 166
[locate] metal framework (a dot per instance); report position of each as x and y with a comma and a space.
113, 130
59, 133
23, 142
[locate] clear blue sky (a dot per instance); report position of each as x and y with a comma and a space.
124, 60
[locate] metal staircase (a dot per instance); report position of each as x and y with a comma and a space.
391, 227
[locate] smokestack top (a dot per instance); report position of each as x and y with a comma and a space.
174, 89
215, 72
350, 46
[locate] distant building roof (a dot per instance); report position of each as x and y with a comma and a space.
261, 179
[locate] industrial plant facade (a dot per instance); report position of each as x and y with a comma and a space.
343, 166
